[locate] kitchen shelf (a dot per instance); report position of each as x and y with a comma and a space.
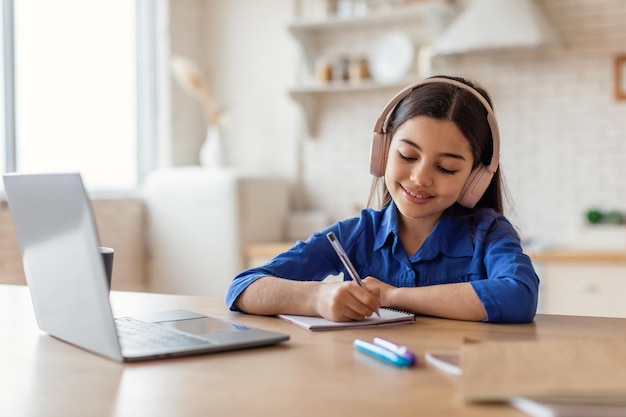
432, 16
347, 87
435, 12
308, 96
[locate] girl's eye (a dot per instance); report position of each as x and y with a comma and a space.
416, 158
405, 157
446, 171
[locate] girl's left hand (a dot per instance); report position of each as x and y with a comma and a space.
384, 288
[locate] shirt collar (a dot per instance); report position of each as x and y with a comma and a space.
451, 236
388, 226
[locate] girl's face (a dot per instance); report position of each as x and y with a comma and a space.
429, 162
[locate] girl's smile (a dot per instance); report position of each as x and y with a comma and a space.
416, 196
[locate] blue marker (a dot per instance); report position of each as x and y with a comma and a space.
381, 353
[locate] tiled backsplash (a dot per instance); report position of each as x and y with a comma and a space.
563, 133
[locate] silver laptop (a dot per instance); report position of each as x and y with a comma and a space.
59, 243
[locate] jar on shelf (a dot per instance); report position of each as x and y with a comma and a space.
345, 9
358, 69
340, 66
330, 7
323, 71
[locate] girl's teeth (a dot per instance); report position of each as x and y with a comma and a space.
416, 196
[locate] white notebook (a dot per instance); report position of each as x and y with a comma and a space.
447, 361
568, 408
388, 317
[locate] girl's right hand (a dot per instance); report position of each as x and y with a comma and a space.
347, 301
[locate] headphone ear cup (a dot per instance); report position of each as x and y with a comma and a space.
378, 154
475, 186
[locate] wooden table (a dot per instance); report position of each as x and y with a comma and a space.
314, 374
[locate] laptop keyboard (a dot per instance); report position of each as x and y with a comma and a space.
138, 334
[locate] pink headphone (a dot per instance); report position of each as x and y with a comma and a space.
481, 176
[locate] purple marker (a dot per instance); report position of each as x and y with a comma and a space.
399, 350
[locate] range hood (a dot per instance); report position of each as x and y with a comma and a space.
496, 25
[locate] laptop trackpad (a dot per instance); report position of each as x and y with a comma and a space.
205, 326
170, 315
190, 322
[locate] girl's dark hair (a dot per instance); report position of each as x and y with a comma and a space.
448, 102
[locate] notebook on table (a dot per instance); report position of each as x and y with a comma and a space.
64, 270
388, 317
543, 378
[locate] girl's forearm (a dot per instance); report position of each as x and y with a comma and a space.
270, 295
454, 301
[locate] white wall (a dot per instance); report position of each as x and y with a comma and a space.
252, 57
563, 134
243, 48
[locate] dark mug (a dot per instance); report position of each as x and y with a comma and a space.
107, 258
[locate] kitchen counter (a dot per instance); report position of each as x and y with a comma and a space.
267, 251
257, 254
577, 255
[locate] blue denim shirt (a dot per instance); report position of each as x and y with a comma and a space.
483, 249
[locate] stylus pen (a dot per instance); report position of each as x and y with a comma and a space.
345, 260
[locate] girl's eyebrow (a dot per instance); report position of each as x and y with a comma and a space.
444, 154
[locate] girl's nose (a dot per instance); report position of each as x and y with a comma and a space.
422, 175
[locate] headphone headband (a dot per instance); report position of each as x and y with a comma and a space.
481, 176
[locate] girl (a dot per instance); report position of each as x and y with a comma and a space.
439, 245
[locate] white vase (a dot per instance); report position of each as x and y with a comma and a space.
212, 150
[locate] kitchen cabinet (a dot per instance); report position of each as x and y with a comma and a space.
200, 220
582, 282
336, 39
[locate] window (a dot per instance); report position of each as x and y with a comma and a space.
77, 96
3, 123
